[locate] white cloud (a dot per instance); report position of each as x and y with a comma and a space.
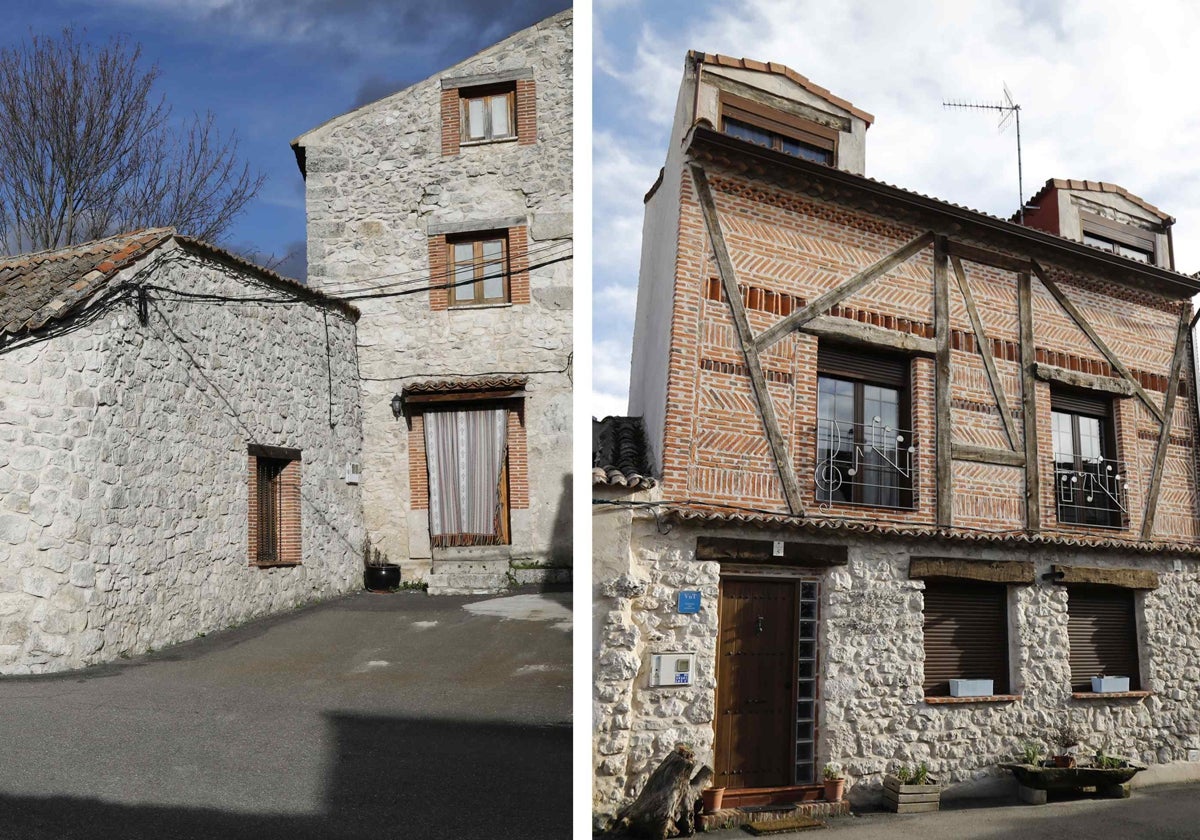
1102, 93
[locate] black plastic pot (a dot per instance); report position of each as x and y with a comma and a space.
383, 578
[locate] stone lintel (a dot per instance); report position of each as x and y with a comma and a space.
957, 568
437, 228
733, 550
843, 329
1078, 379
453, 82
1125, 578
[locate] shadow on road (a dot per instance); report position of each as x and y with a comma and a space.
386, 777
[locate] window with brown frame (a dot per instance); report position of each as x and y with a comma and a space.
1123, 240
488, 113
274, 506
1089, 480
966, 635
1102, 629
479, 270
778, 130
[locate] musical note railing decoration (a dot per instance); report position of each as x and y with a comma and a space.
865, 464
1090, 491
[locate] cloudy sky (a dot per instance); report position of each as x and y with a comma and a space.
272, 69
1105, 94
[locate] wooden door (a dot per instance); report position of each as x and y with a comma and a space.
756, 659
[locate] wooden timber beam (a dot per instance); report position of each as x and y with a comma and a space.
1018, 572
985, 257
866, 335
1109, 355
1124, 578
836, 295
1079, 379
987, 455
1033, 505
985, 351
1164, 439
942, 386
783, 458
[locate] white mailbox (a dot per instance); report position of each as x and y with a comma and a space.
672, 669
353, 472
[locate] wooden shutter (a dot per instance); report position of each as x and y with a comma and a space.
1103, 635
877, 368
966, 635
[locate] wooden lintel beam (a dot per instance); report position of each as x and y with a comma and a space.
836, 295
986, 257
1033, 505
1018, 572
762, 394
987, 455
1164, 438
985, 351
867, 335
1079, 379
942, 386
1125, 578
1109, 355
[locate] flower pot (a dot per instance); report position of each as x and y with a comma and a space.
1067, 761
383, 578
834, 788
970, 688
712, 799
1108, 685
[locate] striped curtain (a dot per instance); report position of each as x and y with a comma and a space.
465, 451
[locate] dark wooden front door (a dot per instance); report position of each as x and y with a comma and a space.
755, 677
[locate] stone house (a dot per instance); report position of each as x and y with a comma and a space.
175, 427
444, 211
889, 443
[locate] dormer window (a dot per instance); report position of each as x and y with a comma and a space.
778, 130
1123, 240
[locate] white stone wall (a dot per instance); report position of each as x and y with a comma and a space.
377, 183
123, 470
873, 717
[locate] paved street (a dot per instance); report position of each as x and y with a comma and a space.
1161, 813
370, 716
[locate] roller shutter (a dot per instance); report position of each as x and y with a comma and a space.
966, 635
877, 368
1103, 635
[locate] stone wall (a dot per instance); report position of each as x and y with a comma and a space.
123, 469
873, 716
378, 189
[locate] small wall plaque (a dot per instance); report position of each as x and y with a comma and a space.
777, 548
689, 601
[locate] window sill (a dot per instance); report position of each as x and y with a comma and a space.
274, 565
488, 142
1110, 695
957, 701
458, 306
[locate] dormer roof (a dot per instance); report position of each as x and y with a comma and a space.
1101, 186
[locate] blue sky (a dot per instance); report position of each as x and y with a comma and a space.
272, 69
1104, 94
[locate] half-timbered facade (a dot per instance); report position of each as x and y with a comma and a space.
898, 444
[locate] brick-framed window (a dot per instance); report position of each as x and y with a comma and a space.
479, 268
490, 109
274, 506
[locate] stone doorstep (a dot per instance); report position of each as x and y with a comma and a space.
734, 817
469, 567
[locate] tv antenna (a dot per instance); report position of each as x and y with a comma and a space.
1009, 112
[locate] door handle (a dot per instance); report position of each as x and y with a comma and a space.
758, 625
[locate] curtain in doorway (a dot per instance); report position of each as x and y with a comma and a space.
465, 451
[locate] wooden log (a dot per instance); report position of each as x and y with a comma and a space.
1017, 572
741, 324
834, 296
941, 324
1125, 578
1164, 436
666, 806
866, 335
1033, 505
985, 352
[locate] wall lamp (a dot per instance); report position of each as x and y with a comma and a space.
397, 405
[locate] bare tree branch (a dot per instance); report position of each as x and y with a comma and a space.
88, 150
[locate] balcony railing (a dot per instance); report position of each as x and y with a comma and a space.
1090, 491
865, 464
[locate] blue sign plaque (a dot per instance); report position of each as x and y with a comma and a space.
689, 601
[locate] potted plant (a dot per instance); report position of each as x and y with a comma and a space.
911, 790
1066, 738
835, 782
379, 575
713, 798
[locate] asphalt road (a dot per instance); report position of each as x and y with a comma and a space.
370, 716
1160, 813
